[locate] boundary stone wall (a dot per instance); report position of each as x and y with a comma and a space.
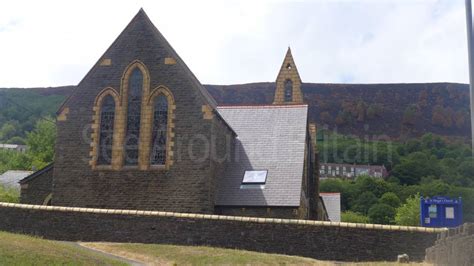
453, 247
315, 239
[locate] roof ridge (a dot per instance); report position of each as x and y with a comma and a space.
269, 106
94, 67
142, 15
37, 173
206, 95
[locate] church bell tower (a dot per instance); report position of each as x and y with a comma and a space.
288, 83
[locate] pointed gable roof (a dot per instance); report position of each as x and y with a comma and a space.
288, 72
142, 19
288, 60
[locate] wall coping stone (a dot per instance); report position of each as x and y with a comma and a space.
223, 217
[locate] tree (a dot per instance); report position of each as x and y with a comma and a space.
460, 118
409, 213
415, 166
326, 117
41, 143
375, 185
390, 199
361, 106
8, 130
364, 202
410, 115
467, 169
354, 217
381, 214
16, 140
374, 110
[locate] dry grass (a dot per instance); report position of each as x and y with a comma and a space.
18, 249
152, 254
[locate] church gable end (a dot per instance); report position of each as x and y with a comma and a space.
288, 83
130, 123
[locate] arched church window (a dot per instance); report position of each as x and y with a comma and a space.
159, 133
288, 91
106, 131
135, 86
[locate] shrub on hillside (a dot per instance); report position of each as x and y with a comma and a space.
364, 202
391, 199
409, 213
9, 195
381, 214
354, 217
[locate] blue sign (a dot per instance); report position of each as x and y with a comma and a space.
440, 212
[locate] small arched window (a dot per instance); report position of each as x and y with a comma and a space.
160, 131
106, 130
288, 91
135, 86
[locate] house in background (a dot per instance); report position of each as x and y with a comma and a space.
13, 147
159, 141
351, 171
11, 178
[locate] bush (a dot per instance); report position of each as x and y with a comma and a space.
409, 213
354, 217
381, 214
364, 202
391, 199
9, 195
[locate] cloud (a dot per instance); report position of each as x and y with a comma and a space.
54, 43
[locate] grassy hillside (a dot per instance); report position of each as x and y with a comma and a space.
21, 108
398, 111
182, 255
151, 254
25, 250
16, 249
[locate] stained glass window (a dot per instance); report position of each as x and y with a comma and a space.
288, 91
160, 127
106, 131
132, 135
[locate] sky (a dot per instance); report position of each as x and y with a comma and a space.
54, 43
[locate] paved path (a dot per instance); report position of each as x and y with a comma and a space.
108, 255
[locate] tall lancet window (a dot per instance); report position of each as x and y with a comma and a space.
160, 128
106, 131
288, 91
135, 86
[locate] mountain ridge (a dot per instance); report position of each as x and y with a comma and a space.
393, 110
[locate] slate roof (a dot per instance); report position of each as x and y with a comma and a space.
332, 201
268, 138
12, 177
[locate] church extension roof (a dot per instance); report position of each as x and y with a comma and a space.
12, 177
332, 202
272, 138
34, 175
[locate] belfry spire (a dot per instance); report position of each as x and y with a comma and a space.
288, 83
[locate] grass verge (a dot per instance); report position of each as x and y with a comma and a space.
154, 254
16, 249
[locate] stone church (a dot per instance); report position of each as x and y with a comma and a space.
141, 132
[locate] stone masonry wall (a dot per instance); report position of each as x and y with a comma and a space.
453, 247
36, 190
316, 239
266, 212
